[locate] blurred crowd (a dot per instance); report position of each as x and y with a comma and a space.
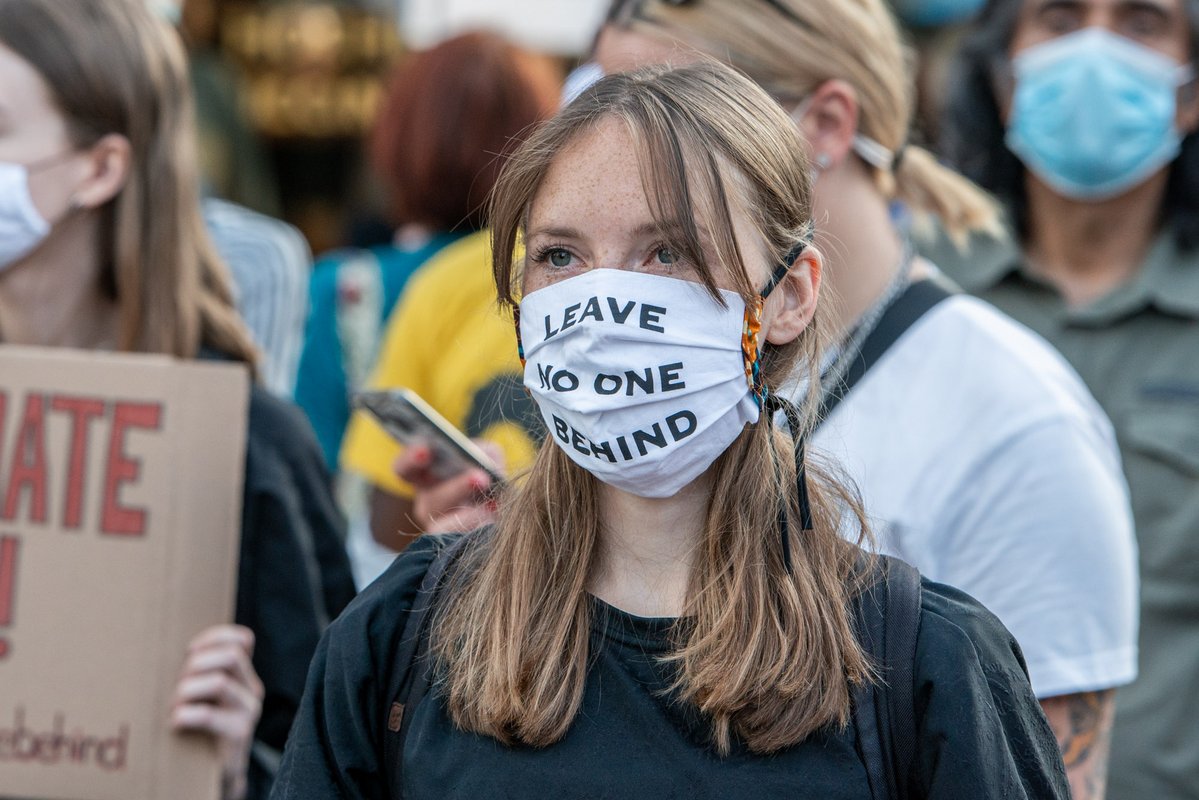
1029, 433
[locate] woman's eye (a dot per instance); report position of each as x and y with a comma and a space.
665, 256
559, 257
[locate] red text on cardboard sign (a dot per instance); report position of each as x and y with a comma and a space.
24, 466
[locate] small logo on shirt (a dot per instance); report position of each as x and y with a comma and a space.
395, 718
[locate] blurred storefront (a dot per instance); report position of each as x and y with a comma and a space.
286, 89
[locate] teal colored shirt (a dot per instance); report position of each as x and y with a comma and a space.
322, 385
1137, 349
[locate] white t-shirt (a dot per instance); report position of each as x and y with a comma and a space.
984, 462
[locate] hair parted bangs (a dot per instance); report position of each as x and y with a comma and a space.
693, 165
768, 655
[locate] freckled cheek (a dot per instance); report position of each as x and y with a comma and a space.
530, 283
538, 276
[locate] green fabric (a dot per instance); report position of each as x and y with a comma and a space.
1138, 351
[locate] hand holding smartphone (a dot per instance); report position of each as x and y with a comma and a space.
409, 420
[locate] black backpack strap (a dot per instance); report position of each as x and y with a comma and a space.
910, 306
884, 713
410, 672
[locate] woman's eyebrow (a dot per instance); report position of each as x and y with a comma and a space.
668, 228
555, 232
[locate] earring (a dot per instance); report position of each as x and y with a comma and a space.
823, 161
75, 204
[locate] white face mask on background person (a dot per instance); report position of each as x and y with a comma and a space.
22, 227
643, 380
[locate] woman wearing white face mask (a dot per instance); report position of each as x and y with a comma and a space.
22, 226
658, 610
980, 456
102, 247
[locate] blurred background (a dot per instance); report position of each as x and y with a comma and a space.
287, 90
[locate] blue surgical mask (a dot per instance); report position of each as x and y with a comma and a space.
1093, 113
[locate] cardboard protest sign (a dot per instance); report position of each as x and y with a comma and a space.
120, 505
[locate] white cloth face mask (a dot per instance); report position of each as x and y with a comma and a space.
641, 379
22, 227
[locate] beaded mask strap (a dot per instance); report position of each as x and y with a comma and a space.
752, 327
520, 345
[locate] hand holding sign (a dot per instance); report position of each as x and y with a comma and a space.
220, 693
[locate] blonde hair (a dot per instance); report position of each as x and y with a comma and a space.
768, 654
857, 41
112, 67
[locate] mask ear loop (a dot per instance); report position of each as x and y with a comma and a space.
520, 345
773, 403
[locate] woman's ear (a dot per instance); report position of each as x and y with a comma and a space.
107, 169
829, 122
791, 306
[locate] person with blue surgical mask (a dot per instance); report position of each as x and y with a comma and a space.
1080, 116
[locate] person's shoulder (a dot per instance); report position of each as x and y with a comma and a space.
972, 694
279, 440
976, 328
957, 630
379, 611
464, 264
276, 421
1005, 366
234, 226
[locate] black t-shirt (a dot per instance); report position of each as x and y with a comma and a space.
982, 734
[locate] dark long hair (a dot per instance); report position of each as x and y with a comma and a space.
972, 132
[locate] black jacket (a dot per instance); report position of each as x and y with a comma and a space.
294, 576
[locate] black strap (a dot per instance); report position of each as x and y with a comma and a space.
910, 306
884, 713
411, 671
774, 404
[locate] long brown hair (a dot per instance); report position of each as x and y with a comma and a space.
790, 54
769, 655
112, 67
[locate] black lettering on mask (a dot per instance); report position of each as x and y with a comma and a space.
673, 422
650, 315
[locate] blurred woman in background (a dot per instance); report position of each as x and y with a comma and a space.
103, 247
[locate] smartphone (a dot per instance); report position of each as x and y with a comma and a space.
410, 420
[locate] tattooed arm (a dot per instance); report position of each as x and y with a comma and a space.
1083, 726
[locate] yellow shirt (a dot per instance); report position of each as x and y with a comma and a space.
450, 342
